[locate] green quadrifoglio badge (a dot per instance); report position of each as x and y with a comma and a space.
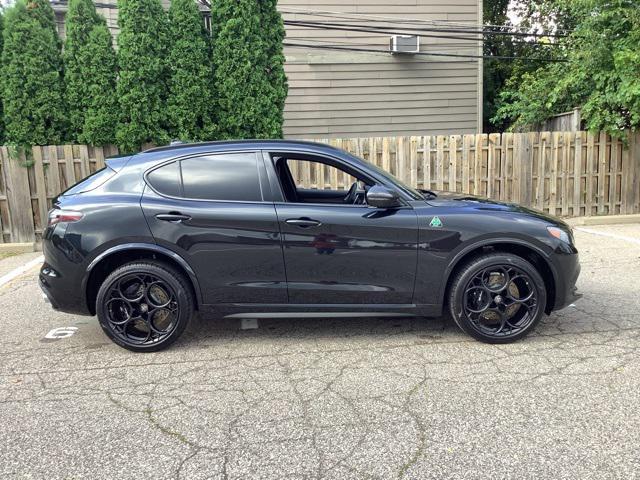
435, 222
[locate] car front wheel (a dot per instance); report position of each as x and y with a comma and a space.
144, 306
497, 298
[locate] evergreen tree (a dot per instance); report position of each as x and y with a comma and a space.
99, 59
142, 60
272, 20
80, 19
249, 68
31, 76
42, 11
1, 115
190, 102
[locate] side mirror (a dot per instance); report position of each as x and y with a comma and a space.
383, 197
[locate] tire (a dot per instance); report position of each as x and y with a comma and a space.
145, 306
490, 288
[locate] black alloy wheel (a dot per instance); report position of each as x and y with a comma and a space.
498, 298
144, 306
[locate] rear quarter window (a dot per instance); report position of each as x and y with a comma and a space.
221, 177
92, 182
166, 180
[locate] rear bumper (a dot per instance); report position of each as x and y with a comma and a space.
47, 296
59, 294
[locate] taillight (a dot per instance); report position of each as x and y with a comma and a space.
63, 216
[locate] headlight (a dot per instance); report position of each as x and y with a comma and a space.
561, 234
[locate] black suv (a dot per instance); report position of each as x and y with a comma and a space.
227, 229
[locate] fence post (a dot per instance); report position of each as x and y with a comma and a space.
16, 180
635, 169
522, 169
41, 188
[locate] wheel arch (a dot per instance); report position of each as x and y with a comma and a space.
523, 249
112, 258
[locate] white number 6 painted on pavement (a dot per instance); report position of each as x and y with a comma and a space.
59, 333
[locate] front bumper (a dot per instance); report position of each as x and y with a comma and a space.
567, 268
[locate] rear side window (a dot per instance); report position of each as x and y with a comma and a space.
230, 177
92, 182
166, 179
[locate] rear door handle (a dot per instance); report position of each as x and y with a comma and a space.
303, 222
173, 217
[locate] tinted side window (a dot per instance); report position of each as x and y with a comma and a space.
231, 176
166, 180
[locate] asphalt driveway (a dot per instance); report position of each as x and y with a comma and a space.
352, 398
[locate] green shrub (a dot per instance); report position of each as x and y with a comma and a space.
601, 74
31, 76
142, 83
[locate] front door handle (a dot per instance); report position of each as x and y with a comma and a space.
303, 222
173, 217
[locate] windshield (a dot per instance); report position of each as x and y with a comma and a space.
412, 192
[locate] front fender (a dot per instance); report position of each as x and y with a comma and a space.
437, 265
458, 255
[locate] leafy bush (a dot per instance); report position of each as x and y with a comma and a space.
601, 74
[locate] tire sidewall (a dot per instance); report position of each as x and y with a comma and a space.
172, 278
472, 269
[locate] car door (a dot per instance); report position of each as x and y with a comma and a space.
338, 253
210, 210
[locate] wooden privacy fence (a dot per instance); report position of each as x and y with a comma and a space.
28, 186
563, 173
567, 174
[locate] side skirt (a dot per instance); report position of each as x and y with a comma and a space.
319, 311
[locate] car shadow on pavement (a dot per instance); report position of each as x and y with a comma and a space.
203, 330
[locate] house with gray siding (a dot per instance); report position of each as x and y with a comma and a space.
345, 82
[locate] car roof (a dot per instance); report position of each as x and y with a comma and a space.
226, 144
160, 154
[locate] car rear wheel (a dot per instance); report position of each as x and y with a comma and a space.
144, 306
497, 298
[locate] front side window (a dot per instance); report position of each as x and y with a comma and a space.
318, 180
315, 175
225, 177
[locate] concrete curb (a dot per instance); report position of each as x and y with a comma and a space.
603, 220
17, 247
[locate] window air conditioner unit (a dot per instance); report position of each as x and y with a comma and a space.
404, 44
